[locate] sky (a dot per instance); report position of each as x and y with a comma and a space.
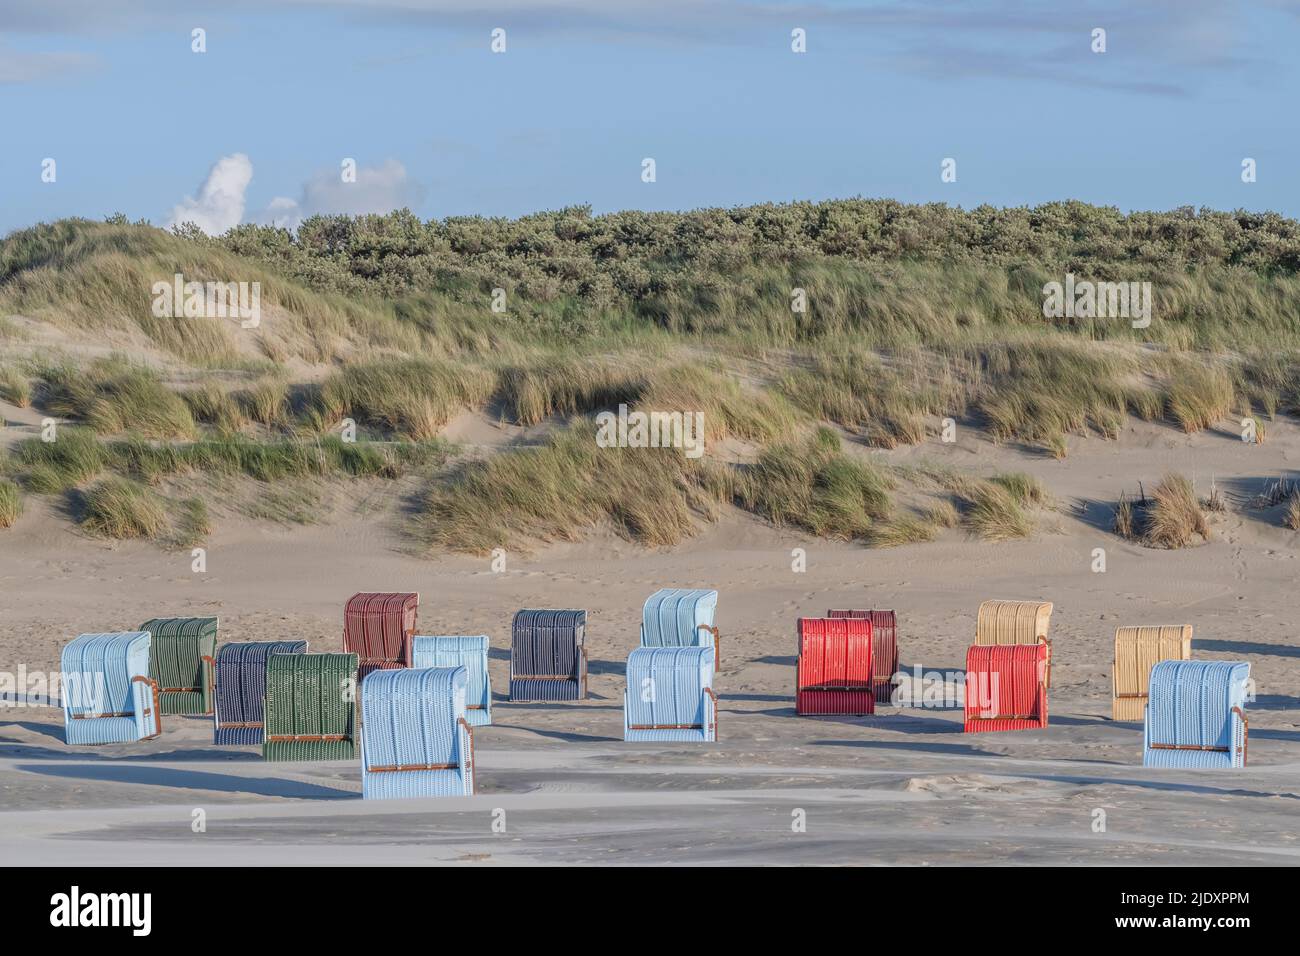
256, 128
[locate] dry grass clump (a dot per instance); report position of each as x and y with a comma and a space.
1198, 394
887, 400
903, 529
113, 395
1171, 518
1041, 390
15, 387
266, 401
813, 485
210, 404
992, 512
1292, 517
413, 397
730, 409
654, 496
553, 385
75, 456
11, 503
119, 508
1175, 516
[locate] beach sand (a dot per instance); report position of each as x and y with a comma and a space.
902, 787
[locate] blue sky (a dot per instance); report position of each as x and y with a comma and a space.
588, 88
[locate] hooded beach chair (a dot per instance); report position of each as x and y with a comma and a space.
1137, 650
241, 688
548, 657
669, 695
468, 652
833, 670
884, 650
1015, 622
1006, 687
182, 660
378, 627
415, 740
679, 617
1196, 715
310, 707
108, 695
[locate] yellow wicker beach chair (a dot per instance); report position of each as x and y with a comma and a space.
1015, 622
1137, 650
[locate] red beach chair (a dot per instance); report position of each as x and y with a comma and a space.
833, 672
1006, 687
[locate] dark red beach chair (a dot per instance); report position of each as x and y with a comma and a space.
378, 627
884, 649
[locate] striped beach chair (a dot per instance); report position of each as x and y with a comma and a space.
680, 617
415, 740
884, 649
470, 653
669, 695
1005, 687
182, 659
833, 670
378, 628
1015, 622
1137, 650
548, 656
1196, 715
241, 689
310, 707
108, 695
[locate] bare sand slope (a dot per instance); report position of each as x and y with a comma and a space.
905, 786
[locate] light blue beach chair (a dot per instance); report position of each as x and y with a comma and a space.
415, 740
461, 651
679, 617
1196, 714
669, 695
108, 696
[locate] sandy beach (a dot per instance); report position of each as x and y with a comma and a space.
903, 787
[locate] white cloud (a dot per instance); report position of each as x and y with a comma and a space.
220, 202
377, 189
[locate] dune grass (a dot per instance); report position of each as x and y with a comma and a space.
1174, 518
653, 496
211, 404
192, 523
554, 384
75, 456
1171, 517
813, 485
996, 509
118, 508
1291, 518
903, 529
412, 397
887, 400
266, 402
15, 388
1199, 395
11, 503
114, 395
